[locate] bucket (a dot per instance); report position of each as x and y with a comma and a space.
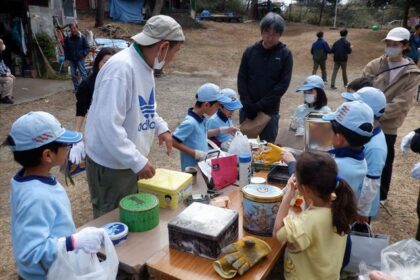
260, 205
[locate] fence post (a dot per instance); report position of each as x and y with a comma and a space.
335, 14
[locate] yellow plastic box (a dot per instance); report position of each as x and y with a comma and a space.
171, 187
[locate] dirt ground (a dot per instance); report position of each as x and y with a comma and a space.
213, 54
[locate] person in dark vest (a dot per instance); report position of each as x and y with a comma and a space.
341, 50
320, 50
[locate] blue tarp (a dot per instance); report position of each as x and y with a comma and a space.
126, 10
112, 43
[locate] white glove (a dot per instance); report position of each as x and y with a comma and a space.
88, 239
415, 172
300, 131
77, 152
406, 142
200, 155
224, 129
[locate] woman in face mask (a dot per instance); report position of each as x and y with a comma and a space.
399, 78
315, 100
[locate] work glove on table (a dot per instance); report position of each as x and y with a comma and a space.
88, 239
270, 155
77, 152
224, 269
245, 253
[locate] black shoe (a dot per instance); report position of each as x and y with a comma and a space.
333, 87
6, 100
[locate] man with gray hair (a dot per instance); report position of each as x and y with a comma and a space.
122, 119
264, 75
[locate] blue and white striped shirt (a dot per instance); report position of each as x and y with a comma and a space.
4, 70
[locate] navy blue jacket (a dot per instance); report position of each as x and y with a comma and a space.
341, 50
264, 76
75, 48
414, 45
320, 49
84, 95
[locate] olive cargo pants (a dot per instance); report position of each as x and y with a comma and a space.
108, 186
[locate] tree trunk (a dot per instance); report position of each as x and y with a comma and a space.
253, 11
321, 12
158, 7
99, 20
406, 10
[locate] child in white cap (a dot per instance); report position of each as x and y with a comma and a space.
315, 100
223, 117
41, 219
375, 153
190, 137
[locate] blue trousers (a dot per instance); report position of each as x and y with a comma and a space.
270, 131
77, 66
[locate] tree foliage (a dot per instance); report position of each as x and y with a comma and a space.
405, 4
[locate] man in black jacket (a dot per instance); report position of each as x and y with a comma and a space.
264, 75
341, 50
76, 49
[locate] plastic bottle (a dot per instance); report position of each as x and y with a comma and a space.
244, 169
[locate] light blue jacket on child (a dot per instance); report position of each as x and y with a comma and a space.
219, 120
352, 167
40, 214
192, 132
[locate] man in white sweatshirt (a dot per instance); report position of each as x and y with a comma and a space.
122, 119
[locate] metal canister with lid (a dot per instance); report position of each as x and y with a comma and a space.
317, 133
140, 211
260, 205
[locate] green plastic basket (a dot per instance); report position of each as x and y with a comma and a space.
140, 212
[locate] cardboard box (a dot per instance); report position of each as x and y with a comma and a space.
203, 230
170, 187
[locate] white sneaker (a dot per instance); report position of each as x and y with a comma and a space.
382, 202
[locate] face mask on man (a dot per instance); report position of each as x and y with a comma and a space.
393, 52
159, 65
309, 98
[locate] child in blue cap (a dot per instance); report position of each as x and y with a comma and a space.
352, 126
375, 153
41, 215
223, 117
315, 100
190, 137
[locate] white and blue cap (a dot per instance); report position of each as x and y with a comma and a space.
210, 92
354, 116
36, 129
373, 97
311, 82
234, 103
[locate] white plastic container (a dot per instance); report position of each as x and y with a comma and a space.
244, 169
117, 232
